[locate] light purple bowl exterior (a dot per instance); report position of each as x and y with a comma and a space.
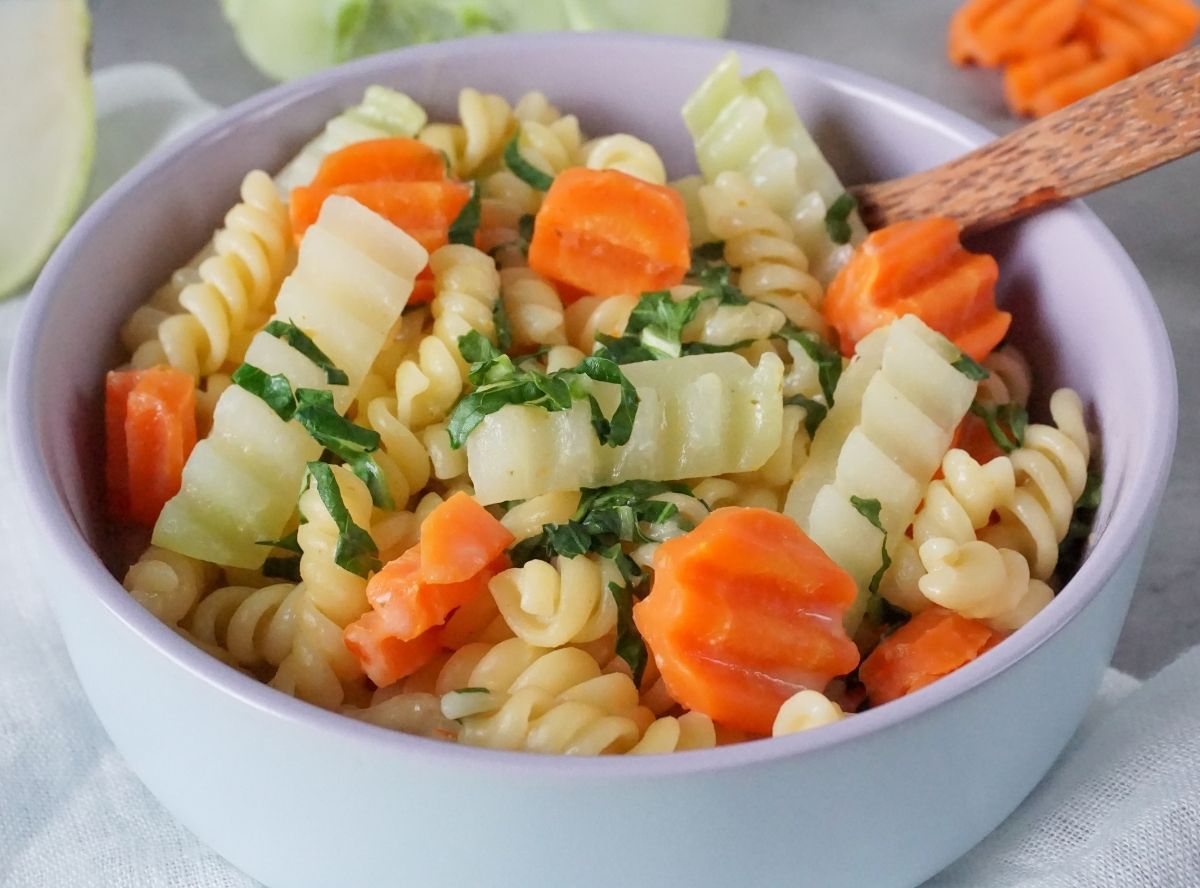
299, 797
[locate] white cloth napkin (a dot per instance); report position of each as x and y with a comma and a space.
1120, 808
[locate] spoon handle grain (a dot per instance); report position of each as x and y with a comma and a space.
1127, 129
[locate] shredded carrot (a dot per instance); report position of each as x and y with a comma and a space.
605, 232
992, 32
933, 643
150, 422
381, 160
746, 610
385, 658
920, 268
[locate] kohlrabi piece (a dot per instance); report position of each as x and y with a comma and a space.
697, 18
49, 134
698, 416
383, 113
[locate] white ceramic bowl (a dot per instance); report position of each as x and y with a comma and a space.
299, 797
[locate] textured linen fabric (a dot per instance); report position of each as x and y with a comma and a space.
1120, 808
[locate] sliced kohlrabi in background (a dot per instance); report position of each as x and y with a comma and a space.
49, 133
288, 38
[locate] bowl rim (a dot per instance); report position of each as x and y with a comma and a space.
85, 566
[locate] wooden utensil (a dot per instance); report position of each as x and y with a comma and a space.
1140, 123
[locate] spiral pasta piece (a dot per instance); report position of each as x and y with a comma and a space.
549, 605
1051, 470
627, 154
417, 714
467, 286
551, 147
476, 142
587, 317
980, 581
534, 309
168, 584
402, 455
1009, 378
527, 519
319, 665
255, 626
231, 294
524, 697
692, 730
805, 710
759, 243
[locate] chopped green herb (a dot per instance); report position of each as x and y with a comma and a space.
351, 443
289, 543
274, 389
630, 645
525, 230
1070, 550
970, 368
814, 412
503, 326
523, 169
713, 273
500, 383
1006, 423
299, 340
285, 567
355, 552
655, 329
869, 509
466, 223
837, 218
826, 357
472, 691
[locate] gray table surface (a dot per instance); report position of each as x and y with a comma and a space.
1156, 217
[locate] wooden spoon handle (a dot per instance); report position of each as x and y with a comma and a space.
1127, 129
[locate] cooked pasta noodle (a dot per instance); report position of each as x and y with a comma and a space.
804, 711
692, 730
534, 309
628, 154
549, 605
256, 626
168, 584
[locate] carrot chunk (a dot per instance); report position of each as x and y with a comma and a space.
385, 658
992, 32
425, 210
150, 424
933, 643
920, 268
459, 539
381, 160
605, 232
745, 611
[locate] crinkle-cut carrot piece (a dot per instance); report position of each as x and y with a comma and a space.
605, 232
425, 210
746, 610
992, 32
385, 658
918, 267
933, 643
1062, 87
1025, 79
160, 432
117, 387
381, 160
459, 539
1144, 31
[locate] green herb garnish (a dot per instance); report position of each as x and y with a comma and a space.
472, 691
970, 368
466, 223
814, 412
1006, 423
503, 326
299, 340
824, 355
869, 509
523, 169
355, 552
655, 329
712, 272
274, 389
285, 567
631, 647
1070, 550
837, 218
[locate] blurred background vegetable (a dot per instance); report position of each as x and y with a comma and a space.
289, 38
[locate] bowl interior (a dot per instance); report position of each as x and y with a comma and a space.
1082, 315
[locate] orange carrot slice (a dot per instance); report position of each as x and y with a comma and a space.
745, 611
920, 268
933, 643
384, 658
459, 539
425, 210
972, 435
153, 432
991, 32
381, 160
605, 232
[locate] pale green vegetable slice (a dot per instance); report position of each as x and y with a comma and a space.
353, 278
49, 132
698, 415
749, 125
